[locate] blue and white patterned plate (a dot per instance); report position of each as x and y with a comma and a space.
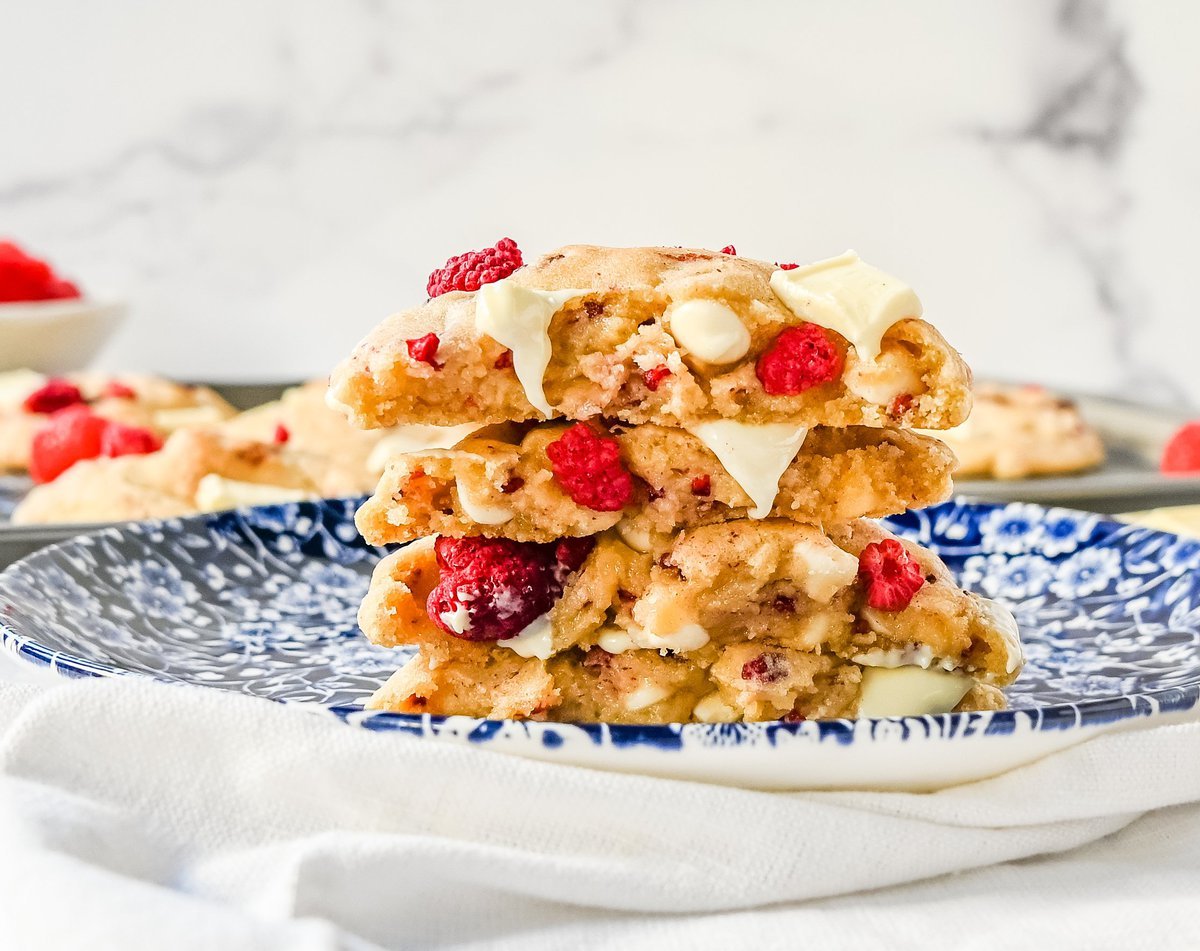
263, 602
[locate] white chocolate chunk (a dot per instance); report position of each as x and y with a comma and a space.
215, 493
536, 640
755, 456
417, 438
688, 637
882, 380
646, 696
828, 569
845, 295
478, 510
1000, 619
519, 318
709, 330
910, 691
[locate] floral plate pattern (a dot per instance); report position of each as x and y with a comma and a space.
263, 601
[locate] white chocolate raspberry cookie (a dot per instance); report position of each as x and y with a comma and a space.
508, 486
1018, 431
670, 336
739, 620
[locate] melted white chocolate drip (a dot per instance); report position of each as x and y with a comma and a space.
519, 318
845, 295
755, 456
536, 640
910, 691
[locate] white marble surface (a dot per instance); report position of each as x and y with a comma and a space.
266, 180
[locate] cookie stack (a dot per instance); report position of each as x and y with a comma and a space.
640, 486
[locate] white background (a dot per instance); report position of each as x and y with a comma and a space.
264, 181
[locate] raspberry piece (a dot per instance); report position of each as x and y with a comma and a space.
729, 249
588, 467
25, 278
54, 395
702, 485
799, 359
511, 485
470, 271
783, 604
117, 439
891, 576
1182, 453
787, 267
70, 435
282, 434
424, 349
504, 361
117, 390
901, 405
492, 588
765, 668
654, 376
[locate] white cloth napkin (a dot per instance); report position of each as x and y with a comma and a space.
135, 815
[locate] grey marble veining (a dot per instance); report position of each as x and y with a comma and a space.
264, 181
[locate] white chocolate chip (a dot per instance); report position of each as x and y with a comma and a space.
708, 330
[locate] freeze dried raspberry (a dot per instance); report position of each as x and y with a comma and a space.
117, 390
72, 434
890, 574
53, 395
424, 350
787, 267
901, 405
282, 434
504, 361
702, 485
729, 249
25, 278
492, 588
470, 271
511, 485
117, 439
588, 467
783, 604
765, 668
799, 359
1182, 453
654, 376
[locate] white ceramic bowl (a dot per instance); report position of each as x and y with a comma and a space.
56, 335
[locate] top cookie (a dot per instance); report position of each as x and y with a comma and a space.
671, 336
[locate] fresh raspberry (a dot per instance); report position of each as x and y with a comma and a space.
282, 434
788, 267
765, 668
702, 485
729, 249
117, 439
890, 575
588, 467
25, 278
424, 349
492, 588
470, 271
73, 434
1182, 453
504, 361
54, 395
799, 359
117, 390
654, 377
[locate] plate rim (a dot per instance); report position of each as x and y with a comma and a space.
1085, 713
